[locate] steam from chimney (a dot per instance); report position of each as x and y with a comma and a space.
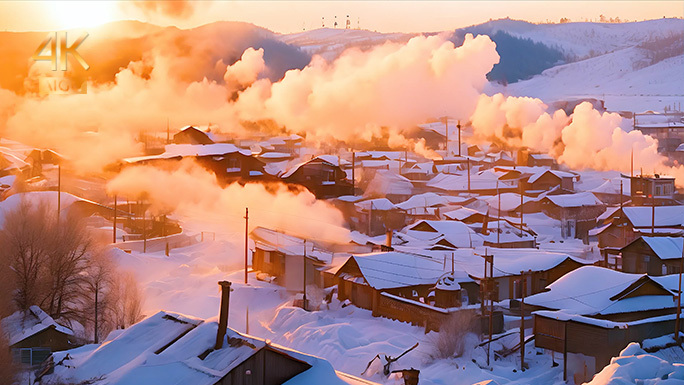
193, 193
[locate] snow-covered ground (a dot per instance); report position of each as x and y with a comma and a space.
348, 337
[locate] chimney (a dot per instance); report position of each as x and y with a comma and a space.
389, 239
223, 315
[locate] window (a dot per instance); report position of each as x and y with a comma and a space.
233, 165
328, 177
267, 257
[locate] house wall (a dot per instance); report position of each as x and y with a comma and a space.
266, 367
594, 341
48, 338
637, 257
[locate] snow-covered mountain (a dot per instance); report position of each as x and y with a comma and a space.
331, 42
583, 39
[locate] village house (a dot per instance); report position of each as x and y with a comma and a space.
322, 175
192, 135
620, 226
655, 190
33, 335
388, 184
653, 255
578, 213
540, 267
549, 179
409, 287
595, 312
279, 257
378, 216
228, 162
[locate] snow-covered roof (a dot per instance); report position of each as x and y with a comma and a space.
509, 201
331, 160
559, 174
461, 213
665, 247
35, 198
380, 204
185, 150
386, 270
510, 262
26, 323
429, 199
455, 233
574, 200
665, 216
165, 349
612, 186
272, 240
592, 290
387, 182
485, 180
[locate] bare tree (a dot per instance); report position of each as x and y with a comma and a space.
127, 300
25, 250
68, 254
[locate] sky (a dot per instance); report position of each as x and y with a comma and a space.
295, 16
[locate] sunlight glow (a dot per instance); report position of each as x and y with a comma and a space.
79, 14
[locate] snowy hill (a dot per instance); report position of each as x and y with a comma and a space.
622, 78
331, 42
582, 40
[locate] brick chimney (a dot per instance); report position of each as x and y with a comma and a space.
223, 315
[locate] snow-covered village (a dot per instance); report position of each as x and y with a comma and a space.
341, 192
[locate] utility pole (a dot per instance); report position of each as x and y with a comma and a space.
652, 210
246, 239
353, 172
59, 188
468, 167
97, 290
370, 218
144, 229
523, 290
114, 222
498, 216
679, 296
446, 130
304, 264
521, 208
487, 289
458, 125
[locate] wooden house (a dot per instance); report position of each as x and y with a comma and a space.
596, 312
549, 179
403, 286
321, 175
33, 335
540, 267
378, 216
652, 255
281, 257
192, 135
228, 162
578, 213
653, 190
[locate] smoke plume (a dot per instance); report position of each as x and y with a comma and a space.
193, 193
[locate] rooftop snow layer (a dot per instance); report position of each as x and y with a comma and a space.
23, 324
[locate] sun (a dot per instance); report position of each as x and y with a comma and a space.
80, 14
